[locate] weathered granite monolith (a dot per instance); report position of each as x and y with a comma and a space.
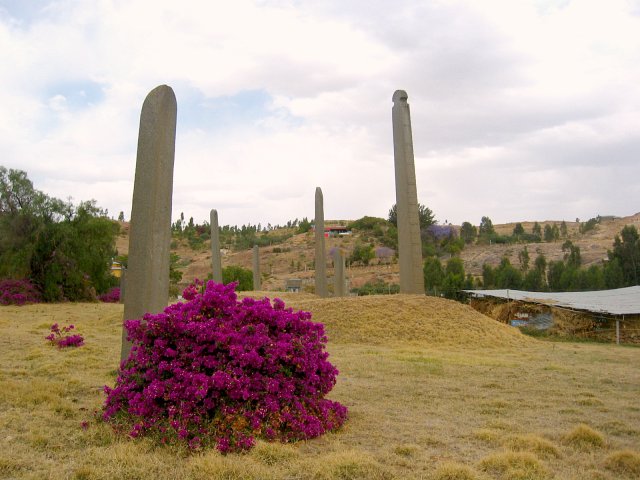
409, 243
147, 281
216, 260
321, 259
256, 268
338, 274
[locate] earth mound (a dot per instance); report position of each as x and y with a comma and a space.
385, 319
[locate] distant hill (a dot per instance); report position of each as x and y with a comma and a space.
295, 256
593, 244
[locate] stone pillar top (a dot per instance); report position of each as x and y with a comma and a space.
165, 92
400, 96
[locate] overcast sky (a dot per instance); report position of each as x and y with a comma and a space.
521, 110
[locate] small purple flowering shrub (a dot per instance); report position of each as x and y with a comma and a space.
18, 292
61, 338
215, 370
112, 296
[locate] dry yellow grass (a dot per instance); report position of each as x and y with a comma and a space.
435, 391
455, 471
532, 443
625, 463
514, 466
409, 319
584, 437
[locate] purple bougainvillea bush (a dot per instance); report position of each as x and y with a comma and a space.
112, 296
215, 370
60, 336
18, 292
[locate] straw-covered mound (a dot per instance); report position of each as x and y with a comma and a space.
385, 319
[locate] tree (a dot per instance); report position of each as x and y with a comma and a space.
486, 227
488, 276
455, 267
541, 263
175, 275
589, 225
452, 284
551, 233
523, 257
563, 229
533, 281
572, 254
65, 251
433, 274
537, 230
243, 276
362, 252
425, 214
71, 259
555, 271
518, 230
507, 276
454, 279
468, 232
613, 274
626, 249
304, 226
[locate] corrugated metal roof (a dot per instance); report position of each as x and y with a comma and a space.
621, 301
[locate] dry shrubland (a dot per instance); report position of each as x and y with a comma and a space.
435, 390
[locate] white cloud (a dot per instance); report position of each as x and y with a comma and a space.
521, 109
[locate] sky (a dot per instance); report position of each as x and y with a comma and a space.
521, 110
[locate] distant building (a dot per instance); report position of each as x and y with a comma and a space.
336, 231
116, 269
293, 285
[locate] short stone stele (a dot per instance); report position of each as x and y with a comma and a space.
320, 259
216, 259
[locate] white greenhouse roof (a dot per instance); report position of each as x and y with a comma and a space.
621, 301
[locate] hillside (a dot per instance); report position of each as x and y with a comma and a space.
294, 257
593, 244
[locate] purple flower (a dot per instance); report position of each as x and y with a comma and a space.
222, 371
18, 292
60, 338
112, 296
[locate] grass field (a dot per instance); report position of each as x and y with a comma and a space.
435, 391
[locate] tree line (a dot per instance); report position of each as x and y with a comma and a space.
235, 237
621, 269
64, 250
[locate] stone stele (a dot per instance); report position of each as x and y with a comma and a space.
321, 259
147, 280
409, 243
338, 274
256, 268
216, 260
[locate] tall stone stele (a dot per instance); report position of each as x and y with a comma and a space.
256, 268
409, 243
321, 259
147, 280
216, 260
